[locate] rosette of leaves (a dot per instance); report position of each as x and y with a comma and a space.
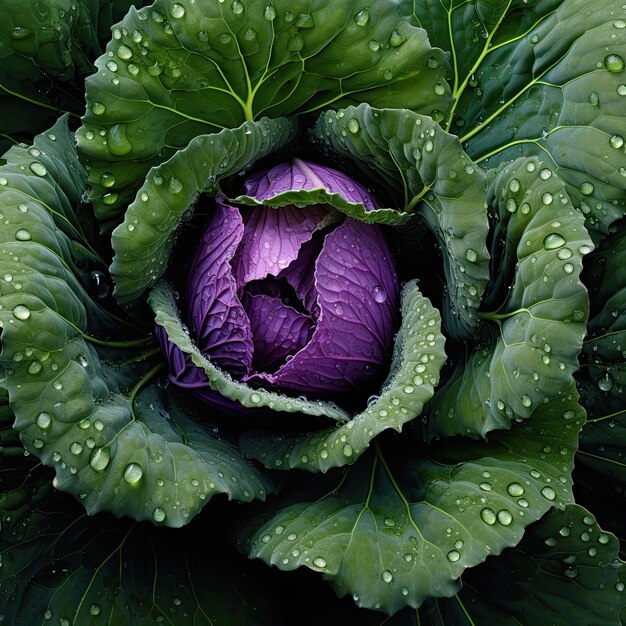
487, 208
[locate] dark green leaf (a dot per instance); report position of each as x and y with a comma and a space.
61, 566
553, 84
178, 70
539, 307
399, 527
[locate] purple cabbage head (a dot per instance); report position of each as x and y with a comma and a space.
297, 299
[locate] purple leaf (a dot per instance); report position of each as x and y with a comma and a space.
279, 330
358, 296
184, 374
299, 175
215, 316
272, 238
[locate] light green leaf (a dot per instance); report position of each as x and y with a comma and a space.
355, 210
428, 166
144, 241
561, 96
177, 70
401, 526
417, 359
163, 304
538, 308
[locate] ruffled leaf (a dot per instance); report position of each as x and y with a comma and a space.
215, 315
144, 241
399, 527
164, 306
561, 98
304, 183
76, 406
530, 351
196, 68
434, 176
418, 357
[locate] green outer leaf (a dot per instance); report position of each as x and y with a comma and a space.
430, 504
72, 411
162, 301
557, 100
169, 75
540, 320
144, 241
355, 210
418, 357
61, 566
564, 571
429, 166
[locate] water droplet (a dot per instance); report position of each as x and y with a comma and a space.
511, 205
439, 89
387, 576
324, 454
100, 458
133, 473
379, 294
388, 75
237, 7
347, 450
553, 241
453, 556
471, 255
124, 53
547, 198
38, 169
515, 490
117, 142
23, 235
94, 609
305, 21
373, 45
76, 448
568, 268
109, 198
320, 562
526, 401
619, 24
21, 312
586, 188
563, 254
616, 141
107, 179
548, 493
255, 397
504, 517
362, 17
158, 515
389, 522
396, 39
488, 516
295, 43
614, 63
44, 420
485, 486
175, 185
